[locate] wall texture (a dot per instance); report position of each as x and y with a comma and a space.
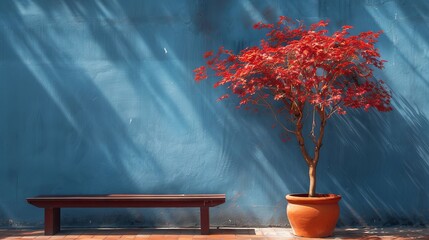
98, 97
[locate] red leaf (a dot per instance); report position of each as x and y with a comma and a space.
208, 54
223, 97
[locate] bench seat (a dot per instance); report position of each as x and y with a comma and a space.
53, 203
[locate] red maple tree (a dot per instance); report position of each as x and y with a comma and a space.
298, 71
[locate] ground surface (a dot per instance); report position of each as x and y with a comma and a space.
184, 234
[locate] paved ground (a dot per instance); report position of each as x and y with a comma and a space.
187, 234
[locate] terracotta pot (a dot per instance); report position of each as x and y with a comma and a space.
313, 216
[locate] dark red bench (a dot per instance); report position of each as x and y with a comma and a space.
53, 204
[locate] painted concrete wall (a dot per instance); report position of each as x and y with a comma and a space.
98, 97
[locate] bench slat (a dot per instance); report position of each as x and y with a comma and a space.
128, 200
132, 196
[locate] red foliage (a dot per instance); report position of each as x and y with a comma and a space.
298, 65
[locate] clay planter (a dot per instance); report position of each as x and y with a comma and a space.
315, 216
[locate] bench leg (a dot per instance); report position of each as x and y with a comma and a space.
205, 220
52, 221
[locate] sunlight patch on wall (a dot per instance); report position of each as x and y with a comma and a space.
253, 12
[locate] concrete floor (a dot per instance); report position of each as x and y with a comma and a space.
223, 233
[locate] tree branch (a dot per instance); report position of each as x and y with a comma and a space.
318, 145
269, 106
301, 141
313, 126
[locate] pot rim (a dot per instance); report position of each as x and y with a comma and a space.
302, 198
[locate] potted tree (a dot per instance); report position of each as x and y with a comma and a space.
304, 76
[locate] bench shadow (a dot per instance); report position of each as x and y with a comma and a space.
127, 231
28, 233
156, 231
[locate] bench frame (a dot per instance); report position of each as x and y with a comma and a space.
53, 204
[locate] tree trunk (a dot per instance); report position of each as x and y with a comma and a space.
312, 175
311, 162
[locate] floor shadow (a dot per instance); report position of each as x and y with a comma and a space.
380, 233
128, 231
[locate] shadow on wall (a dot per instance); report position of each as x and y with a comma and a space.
98, 115
60, 133
384, 157
97, 109
99, 98
379, 164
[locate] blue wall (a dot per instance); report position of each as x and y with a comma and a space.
98, 97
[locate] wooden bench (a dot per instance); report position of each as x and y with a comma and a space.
53, 204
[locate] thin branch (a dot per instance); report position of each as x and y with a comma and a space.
333, 110
313, 126
269, 106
